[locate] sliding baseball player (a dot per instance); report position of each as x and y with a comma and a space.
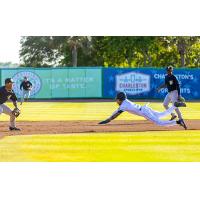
145, 111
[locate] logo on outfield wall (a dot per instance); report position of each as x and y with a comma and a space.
32, 77
132, 83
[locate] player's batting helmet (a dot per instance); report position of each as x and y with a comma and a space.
121, 96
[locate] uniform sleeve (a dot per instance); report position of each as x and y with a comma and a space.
13, 97
177, 85
122, 108
117, 111
30, 83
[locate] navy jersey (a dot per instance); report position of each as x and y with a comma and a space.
26, 85
172, 83
5, 95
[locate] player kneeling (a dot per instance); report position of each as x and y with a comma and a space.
145, 111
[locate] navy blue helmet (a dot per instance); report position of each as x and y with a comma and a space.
169, 68
121, 96
9, 80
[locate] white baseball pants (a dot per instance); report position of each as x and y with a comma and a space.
25, 94
155, 116
172, 97
5, 109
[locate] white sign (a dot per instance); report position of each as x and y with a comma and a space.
132, 83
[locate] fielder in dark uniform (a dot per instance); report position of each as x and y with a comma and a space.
26, 87
7, 93
173, 95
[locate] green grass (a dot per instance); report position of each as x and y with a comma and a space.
148, 146
132, 146
46, 111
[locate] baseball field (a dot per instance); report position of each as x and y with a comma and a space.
69, 131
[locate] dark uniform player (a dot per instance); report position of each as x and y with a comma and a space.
26, 87
7, 93
173, 95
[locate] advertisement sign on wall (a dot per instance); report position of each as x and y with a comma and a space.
58, 82
132, 83
141, 83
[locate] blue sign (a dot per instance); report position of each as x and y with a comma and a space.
141, 83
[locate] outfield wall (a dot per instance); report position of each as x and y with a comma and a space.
142, 82
97, 82
58, 82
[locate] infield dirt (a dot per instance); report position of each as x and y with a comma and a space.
66, 127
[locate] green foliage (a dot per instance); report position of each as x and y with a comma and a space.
8, 65
126, 51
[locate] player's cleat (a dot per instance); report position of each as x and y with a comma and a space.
14, 129
179, 104
182, 123
173, 117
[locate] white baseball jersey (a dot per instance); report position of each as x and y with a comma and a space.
130, 107
147, 112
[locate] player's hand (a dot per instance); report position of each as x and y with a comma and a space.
104, 122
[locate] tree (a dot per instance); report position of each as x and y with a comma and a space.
53, 50
39, 51
126, 51
183, 46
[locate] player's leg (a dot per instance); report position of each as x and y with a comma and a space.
164, 113
27, 95
174, 98
1, 109
8, 111
166, 102
150, 116
22, 97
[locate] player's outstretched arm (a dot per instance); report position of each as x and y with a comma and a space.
114, 115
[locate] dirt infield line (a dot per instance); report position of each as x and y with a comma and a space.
66, 127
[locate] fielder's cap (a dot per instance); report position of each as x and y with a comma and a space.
9, 80
25, 77
169, 68
121, 96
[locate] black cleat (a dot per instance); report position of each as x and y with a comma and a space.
173, 117
182, 123
14, 129
179, 104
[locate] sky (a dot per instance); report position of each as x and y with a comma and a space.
9, 48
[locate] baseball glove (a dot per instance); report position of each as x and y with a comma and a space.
181, 99
16, 112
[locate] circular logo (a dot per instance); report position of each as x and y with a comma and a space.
32, 77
